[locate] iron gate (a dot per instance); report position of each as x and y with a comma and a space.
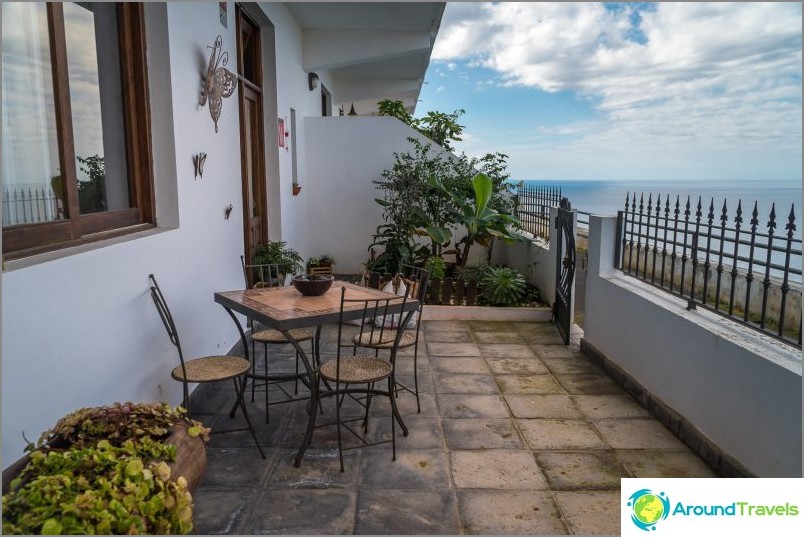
565, 269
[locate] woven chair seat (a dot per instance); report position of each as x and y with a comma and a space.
275, 336
356, 370
212, 368
384, 340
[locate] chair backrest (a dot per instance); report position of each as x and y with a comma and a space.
378, 318
263, 275
167, 318
420, 278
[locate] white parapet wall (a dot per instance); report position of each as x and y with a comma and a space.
536, 259
740, 389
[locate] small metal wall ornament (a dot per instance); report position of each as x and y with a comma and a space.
227, 212
219, 82
198, 162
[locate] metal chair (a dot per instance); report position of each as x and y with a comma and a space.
271, 275
346, 370
415, 280
206, 369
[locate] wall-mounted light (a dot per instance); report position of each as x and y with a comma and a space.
312, 81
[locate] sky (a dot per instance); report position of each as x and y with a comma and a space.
624, 91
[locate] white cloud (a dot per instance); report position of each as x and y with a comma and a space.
706, 78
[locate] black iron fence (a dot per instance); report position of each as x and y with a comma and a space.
533, 208
736, 264
30, 206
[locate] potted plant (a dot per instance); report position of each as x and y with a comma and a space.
326, 260
123, 468
279, 253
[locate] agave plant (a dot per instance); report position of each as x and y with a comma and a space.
503, 286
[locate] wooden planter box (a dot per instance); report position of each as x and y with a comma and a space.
191, 460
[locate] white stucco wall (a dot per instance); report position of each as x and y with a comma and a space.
740, 388
344, 155
537, 261
81, 329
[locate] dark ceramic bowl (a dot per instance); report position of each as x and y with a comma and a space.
313, 285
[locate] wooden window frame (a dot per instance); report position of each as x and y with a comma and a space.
29, 239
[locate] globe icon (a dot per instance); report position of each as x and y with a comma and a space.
648, 509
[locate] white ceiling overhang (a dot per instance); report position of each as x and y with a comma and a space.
371, 51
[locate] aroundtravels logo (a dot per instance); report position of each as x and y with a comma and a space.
648, 508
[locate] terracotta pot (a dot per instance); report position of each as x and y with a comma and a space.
296, 190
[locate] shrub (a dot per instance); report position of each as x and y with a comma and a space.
503, 286
111, 478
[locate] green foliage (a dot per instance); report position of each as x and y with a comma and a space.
112, 478
481, 222
117, 423
425, 196
395, 109
92, 192
278, 252
503, 286
440, 127
436, 266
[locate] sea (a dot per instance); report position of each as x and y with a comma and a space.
607, 197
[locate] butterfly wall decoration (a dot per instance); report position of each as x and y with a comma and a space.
219, 82
198, 161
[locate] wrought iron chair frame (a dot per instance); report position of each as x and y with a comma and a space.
338, 387
169, 324
274, 269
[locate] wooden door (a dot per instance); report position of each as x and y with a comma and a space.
252, 147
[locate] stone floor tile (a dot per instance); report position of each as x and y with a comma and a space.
500, 512
610, 406
223, 435
527, 384
302, 512
472, 406
237, 467
406, 512
556, 351
412, 469
452, 349
573, 365
465, 383
404, 365
665, 464
424, 432
488, 326
506, 350
406, 403
446, 326
588, 470
452, 364
507, 469
595, 384
543, 406
425, 381
498, 337
545, 434
638, 433
320, 469
591, 512
481, 434
463, 336
221, 512
542, 337
516, 366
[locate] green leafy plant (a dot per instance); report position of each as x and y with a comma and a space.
436, 266
279, 253
396, 109
326, 260
481, 222
503, 286
112, 477
92, 192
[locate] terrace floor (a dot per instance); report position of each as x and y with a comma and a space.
518, 434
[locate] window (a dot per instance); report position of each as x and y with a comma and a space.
76, 132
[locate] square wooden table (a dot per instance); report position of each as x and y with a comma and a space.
285, 308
